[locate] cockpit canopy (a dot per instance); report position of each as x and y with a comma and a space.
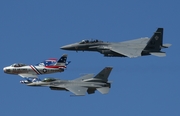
18, 65
48, 79
89, 41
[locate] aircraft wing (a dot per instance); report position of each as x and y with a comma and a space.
140, 41
129, 52
27, 75
77, 90
87, 76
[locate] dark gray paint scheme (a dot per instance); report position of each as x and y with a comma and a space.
80, 85
132, 48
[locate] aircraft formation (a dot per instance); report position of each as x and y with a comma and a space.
87, 83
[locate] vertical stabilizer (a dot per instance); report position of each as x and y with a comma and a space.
104, 74
155, 43
62, 61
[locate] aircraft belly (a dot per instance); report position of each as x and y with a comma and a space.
57, 88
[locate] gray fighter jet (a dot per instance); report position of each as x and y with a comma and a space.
80, 85
131, 49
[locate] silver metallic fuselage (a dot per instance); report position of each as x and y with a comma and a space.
31, 69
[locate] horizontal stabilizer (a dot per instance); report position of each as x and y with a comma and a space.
103, 90
68, 62
159, 54
166, 45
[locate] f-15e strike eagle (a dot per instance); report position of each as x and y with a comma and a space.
131, 49
80, 85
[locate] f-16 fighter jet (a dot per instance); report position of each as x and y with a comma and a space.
80, 85
31, 71
131, 49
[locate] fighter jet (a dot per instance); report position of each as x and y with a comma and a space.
133, 48
80, 85
31, 71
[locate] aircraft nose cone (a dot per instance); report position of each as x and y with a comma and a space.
4, 69
66, 47
73, 46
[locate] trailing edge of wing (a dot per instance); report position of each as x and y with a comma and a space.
127, 51
27, 75
77, 90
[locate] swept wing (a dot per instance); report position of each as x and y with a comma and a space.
139, 41
77, 90
129, 52
27, 75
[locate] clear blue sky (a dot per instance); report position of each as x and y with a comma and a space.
32, 31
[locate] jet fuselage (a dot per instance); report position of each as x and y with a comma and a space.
31, 69
64, 83
104, 47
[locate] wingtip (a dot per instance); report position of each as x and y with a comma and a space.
108, 67
64, 55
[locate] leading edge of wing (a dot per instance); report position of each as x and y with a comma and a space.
142, 40
77, 90
27, 75
87, 76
